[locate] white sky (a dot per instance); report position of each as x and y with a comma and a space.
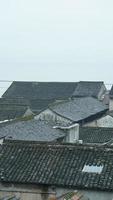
62, 40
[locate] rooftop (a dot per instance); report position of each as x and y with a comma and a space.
33, 130
88, 88
78, 109
53, 90
9, 106
96, 134
41, 130
11, 112
12, 108
56, 164
40, 90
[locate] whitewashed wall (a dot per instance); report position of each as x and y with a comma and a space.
111, 104
24, 191
49, 115
102, 92
106, 121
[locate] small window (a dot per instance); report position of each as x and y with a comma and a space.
92, 169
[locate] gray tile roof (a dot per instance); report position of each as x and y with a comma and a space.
88, 88
40, 90
31, 130
11, 112
96, 134
10, 107
14, 101
36, 130
37, 105
53, 90
55, 164
79, 109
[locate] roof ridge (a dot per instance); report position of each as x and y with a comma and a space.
57, 145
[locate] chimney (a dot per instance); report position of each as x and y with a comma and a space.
72, 133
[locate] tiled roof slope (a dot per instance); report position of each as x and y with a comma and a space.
95, 134
36, 105
54, 164
78, 109
37, 130
88, 88
12, 108
40, 90
53, 90
31, 130
111, 92
14, 101
9, 112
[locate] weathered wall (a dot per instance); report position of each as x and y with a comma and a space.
51, 116
96, 195
92, 195
111, 104
25, 192
106, 121
102, 92
33, 192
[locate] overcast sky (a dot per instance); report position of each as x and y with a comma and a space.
62, 40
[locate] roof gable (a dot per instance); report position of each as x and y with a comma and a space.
88, 88
78, 109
